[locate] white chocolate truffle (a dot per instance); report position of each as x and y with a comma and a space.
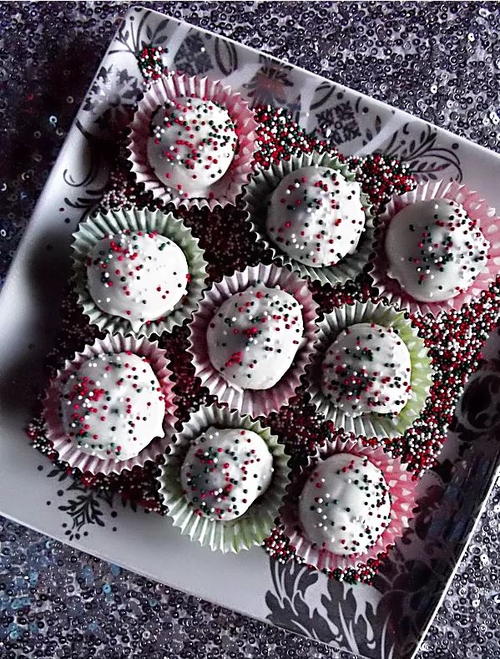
435, 250
254, 336
316, 216
113, 406
192, 145
367, 369
345, 505
137, 276
225, 471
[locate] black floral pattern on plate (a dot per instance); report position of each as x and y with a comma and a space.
226, 56
137, 33
335, 616
192, 57
426, 157
479, 410
83, 505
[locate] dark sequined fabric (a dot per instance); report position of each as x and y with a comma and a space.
438, 61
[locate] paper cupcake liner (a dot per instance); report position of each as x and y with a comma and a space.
99, 226
256, 523
373, 424
171, 87
256, 198
252, 402
477, 209
66, 449
402, 491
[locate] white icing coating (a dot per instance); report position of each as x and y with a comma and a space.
192, 145
254, 336
316, 216
138, 276
225, 471
367, 369
345, 505
113, 407
435, 250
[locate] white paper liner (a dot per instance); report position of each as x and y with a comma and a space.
252, 402
256, 523
477, 209
402, 492
111, 222
66, 449
168, 88
373, 424
256, 197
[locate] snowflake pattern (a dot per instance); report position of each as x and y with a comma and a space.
111, 98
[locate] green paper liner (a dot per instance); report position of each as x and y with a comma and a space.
372, 425
256, 198
101, 225
257, 522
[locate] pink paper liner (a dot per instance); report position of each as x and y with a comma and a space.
477, 209
168, 88
252, 402
67, 450
402, 490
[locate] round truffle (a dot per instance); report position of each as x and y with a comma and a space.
316, 216
138, 276
254, 336
345, 505
112, 406
367, 369
191, 145
225, 471
435, 250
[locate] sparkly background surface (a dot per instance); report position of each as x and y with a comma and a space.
58, 602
